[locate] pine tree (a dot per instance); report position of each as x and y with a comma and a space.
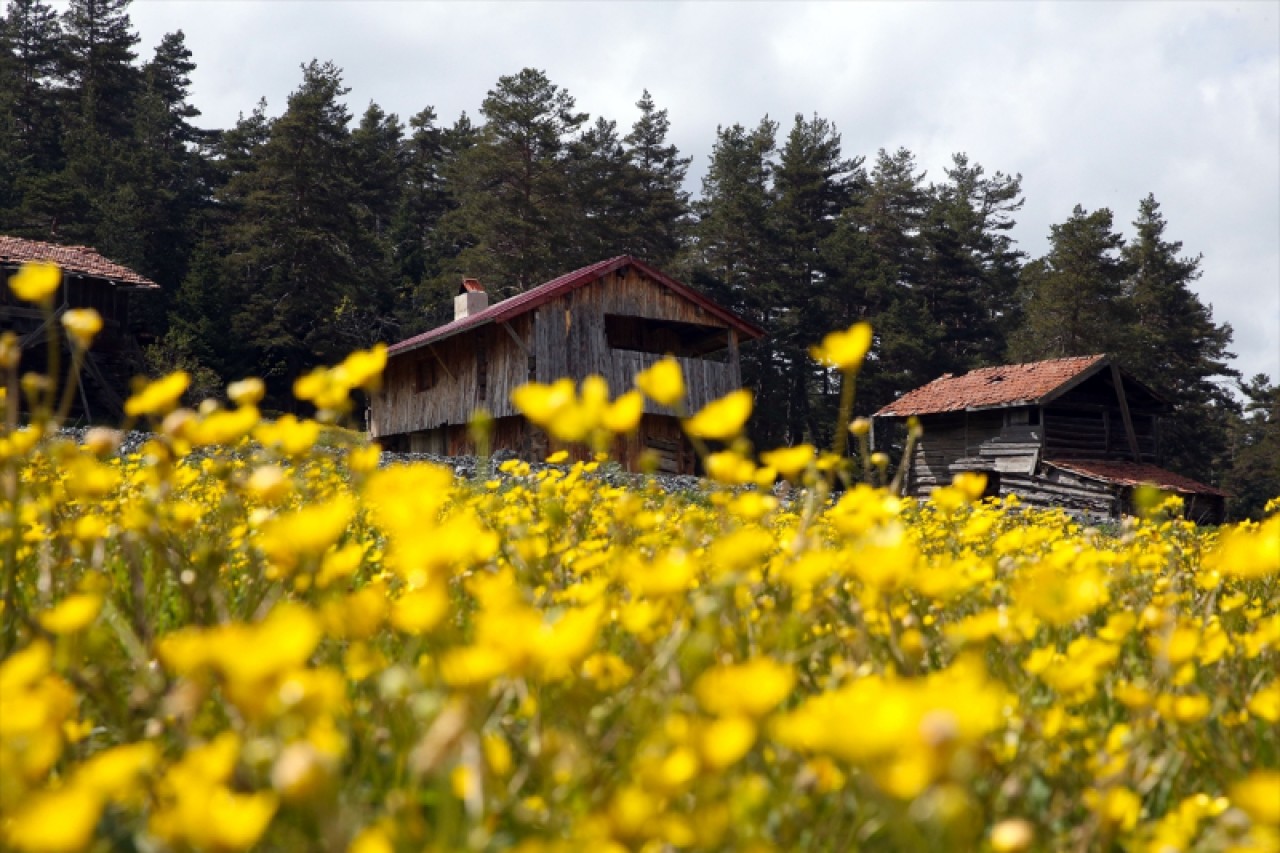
601, 195
813, 183
1175, 346
165, 166
876, 257
514, 208
1073, 298
89, 198
1254, 476
970, 274
660, 207
32, 57
99, 65
300, 250
733, 257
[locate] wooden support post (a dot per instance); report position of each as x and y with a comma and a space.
1124, 413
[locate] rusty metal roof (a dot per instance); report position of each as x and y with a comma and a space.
507, 309
1135, 474
76, 260
993, 387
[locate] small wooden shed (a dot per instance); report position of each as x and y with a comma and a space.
1077, 433
88, 281
613, 318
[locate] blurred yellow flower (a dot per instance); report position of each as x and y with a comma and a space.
753, 688
662, 382
82, 325
844, 350
158, 398
722, 419
71, 614
36, 281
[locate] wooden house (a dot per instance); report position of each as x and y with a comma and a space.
88, 281
613, 318
1077, 433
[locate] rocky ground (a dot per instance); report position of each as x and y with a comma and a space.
465, 466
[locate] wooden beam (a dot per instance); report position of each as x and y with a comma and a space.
442, 364
1124, 413
39, 334
512, 332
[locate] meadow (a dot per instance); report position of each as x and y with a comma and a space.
248, 635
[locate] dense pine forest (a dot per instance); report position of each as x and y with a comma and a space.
305, 231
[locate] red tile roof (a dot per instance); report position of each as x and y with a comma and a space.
991, 387
1135, 474
500, 312
78, 260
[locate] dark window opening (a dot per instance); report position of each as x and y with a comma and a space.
482, 373
425, 375
662, 337
1033, 417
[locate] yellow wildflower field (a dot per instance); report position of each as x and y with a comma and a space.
237, 639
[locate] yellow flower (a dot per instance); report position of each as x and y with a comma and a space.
753, 688
305, 533
845, 350
58, 821
624, 414
363, 369
73, 613
114, 773
723, 419
420, 610
36, 281
789, 461
159, 397
1012, 836
1258, 795
663, 382
83, 325
246, 392
726, 740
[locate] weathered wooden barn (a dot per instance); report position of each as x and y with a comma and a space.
1077, 433
88, 281
613, 318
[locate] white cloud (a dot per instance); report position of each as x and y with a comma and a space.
1094, 103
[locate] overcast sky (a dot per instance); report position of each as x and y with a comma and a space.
1093, 103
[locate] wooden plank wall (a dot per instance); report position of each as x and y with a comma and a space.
565, 337
570, 337
401, 408
1079, 433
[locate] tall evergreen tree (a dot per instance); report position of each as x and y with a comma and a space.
513, 201
1254, 477
813, 183
970, 274
1073, 298
300, 247
601, 193
876, 255
660, 208
32, 59
99, 65
734, 256
1175, 346
165, 166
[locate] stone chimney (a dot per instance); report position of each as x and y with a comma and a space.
471, 299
